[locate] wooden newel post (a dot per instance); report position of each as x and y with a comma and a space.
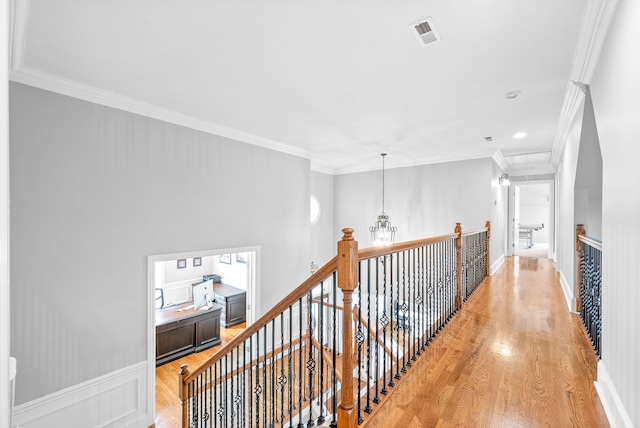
348, 282
183, 393
579, 232
488, 226
458, 230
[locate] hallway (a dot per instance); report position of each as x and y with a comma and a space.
513, 357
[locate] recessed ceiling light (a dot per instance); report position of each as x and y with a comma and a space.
513, 94
520, 135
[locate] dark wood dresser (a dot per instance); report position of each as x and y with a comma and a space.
234, 304
179, 333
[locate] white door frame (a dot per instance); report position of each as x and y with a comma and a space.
5, 338
552, 216
253, 287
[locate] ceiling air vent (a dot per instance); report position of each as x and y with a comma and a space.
425, 31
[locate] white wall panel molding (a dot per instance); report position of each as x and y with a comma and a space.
116, 399
497, 264
568, 293
613, 407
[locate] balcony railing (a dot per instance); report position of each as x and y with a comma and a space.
589, 283
328, 352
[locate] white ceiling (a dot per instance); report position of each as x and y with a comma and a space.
338, 82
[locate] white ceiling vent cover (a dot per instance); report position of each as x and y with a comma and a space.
425, 31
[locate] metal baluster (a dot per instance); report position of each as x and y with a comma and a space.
243, 389
311, 364
393, 310
282, 380
368, 408
231, 392
404, 312
453, 291
399, 322
223, 400
414, 303
376, 399
441, 306
334, 398
255, 390
274, 391
385, 321
359, 341
214, 409
321, 326
290, 367
300, 377
420, 319
266, 387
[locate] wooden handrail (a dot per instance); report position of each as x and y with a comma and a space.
474, 231
281, 306
371, 252
591, 242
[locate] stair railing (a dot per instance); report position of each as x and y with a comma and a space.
332, 349
589, 286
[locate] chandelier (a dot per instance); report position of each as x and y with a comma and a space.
382, 232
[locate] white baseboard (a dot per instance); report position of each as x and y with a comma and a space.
117, 399
568, 294
497, 264
613, 407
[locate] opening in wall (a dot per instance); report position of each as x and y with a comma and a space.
171, 279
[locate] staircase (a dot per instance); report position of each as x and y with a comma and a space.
330, 352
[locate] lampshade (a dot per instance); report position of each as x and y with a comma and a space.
504, 180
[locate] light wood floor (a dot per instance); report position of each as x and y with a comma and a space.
513, 357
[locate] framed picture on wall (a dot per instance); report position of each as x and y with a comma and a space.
225, 258
182, 263
197, 261
241, 257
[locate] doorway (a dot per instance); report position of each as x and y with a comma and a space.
531, 213
240, 265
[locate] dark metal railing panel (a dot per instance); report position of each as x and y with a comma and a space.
590, 264
474, 261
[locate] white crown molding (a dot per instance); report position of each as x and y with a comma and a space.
500, 160
18, 14
593, 31
50, 82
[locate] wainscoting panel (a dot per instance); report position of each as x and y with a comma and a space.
117, 399
611, 401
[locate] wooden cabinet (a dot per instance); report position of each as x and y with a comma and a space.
234, 304
179, 333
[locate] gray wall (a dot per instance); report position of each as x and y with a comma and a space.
94, 191
323, 244
588, 191
565, 195
421, 201
615, 88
